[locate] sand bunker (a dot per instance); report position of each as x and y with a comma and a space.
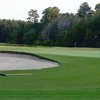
23, 62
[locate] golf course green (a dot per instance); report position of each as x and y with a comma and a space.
76, 78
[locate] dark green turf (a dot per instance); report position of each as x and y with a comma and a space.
77, 78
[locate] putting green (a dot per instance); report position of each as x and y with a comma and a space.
81, 52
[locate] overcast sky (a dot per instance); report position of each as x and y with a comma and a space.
18, 9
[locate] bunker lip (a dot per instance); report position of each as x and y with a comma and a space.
11, 60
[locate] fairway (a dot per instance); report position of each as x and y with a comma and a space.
76, 78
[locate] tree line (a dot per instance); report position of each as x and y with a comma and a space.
54, 28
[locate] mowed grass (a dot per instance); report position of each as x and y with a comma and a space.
77, 77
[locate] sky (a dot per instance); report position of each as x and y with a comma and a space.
18, 9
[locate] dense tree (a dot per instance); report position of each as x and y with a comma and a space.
50, 14
97, 8
85, 10
5, 29
55, 29
29, 37
33, 16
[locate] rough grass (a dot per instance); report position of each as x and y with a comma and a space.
77, 77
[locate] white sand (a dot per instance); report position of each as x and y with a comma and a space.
23, 62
